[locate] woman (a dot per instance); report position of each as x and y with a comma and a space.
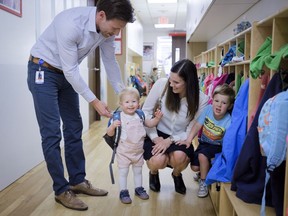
181, 102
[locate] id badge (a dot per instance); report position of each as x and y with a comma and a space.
39, 77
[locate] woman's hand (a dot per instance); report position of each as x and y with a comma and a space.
183, 142
161, 145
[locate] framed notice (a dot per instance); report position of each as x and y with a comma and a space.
12, 6
119, 36
118, 47
148, 51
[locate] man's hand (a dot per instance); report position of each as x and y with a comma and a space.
101, 108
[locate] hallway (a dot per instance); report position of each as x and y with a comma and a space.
32, 193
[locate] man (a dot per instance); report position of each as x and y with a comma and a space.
55, 82
154, 75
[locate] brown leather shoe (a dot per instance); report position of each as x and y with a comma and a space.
69, 200
87, 188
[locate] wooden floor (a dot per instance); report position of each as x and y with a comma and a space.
32, 194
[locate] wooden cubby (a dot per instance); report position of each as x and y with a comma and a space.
223, 199
215, 54
202, 61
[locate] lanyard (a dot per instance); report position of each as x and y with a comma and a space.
41, 62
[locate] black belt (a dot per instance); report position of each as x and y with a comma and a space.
45, 64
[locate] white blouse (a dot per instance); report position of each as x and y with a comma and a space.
174, 124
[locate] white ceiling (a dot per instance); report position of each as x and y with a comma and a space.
149, 15
219, 15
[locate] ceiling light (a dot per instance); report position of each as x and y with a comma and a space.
161, 1
164, 25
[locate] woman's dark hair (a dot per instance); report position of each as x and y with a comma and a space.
188, 72
117, 9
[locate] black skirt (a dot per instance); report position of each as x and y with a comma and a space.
148, 144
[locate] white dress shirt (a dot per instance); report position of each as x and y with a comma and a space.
174, 124
69, 39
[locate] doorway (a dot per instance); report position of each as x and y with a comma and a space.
94, 76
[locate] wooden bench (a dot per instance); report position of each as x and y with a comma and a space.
230, 205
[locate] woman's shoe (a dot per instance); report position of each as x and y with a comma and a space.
154, 182
179, 184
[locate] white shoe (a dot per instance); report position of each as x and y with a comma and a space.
203, 189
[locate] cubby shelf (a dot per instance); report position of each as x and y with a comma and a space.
224, 200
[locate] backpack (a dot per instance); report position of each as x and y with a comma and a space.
273, 129
113, 141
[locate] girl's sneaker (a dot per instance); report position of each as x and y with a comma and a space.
125, 197
141, 193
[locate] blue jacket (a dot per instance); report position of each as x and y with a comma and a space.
223, 165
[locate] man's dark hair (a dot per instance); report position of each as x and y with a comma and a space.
117, 9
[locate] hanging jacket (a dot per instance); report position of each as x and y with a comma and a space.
224, 163
249, 174
274, 60
220, 80
258, 62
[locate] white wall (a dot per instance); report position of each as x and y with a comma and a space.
151, 37
135, 41
20, 140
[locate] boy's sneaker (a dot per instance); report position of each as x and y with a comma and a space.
141, 193
125, 197
203, 189
197, 177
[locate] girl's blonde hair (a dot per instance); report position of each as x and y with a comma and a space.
129, 91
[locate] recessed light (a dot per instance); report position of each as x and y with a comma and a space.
164, 25
161, 1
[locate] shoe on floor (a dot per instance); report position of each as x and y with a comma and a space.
154, 182
69, 200
197, 177
141, 193
203, 189
125, 197
179, 184
87, 188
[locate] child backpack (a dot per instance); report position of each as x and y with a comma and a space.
113, 141
273, 129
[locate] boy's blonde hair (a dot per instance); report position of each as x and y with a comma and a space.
225, 89
129, 91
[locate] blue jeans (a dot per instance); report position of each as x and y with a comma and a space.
55, 99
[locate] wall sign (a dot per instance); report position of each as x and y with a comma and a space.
118, 43
118, 47
148, 51
12, 6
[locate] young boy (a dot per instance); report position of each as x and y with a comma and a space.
130, 147
214, 120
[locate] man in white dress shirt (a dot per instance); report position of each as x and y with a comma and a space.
54, 80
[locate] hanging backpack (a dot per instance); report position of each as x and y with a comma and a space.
273, 129
113, 141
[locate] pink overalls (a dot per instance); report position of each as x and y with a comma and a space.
130, 148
